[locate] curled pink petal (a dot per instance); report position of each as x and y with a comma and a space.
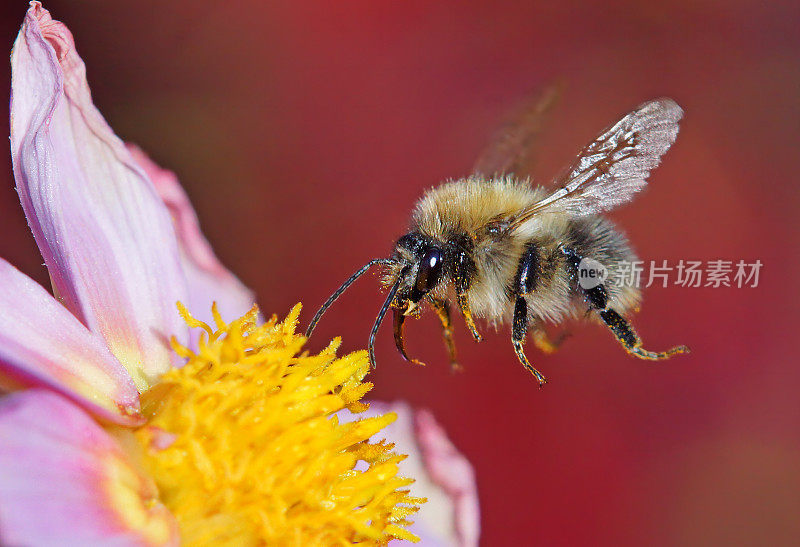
443, 475
452, 472
65, 481
104, 233
207, 279
42, 343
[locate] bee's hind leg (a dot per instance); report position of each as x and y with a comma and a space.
597, 299
442, 309
543, 341
518, 331
624, 332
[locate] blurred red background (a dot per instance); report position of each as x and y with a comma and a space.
305, 131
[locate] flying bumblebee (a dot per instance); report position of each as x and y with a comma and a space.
505, 251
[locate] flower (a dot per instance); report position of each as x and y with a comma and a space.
443, 476
293, 469
239, 447
131, 423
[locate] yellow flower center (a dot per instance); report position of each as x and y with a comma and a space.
245, 448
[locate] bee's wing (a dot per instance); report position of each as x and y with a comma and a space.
616, 165
510, 151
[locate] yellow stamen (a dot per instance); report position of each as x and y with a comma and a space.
245, 448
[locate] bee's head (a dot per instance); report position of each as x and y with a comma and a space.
419, 264
415, 269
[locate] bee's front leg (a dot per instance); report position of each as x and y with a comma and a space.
462, 279
463, 305
442, 309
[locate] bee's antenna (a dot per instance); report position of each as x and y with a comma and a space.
341, 289
379, 319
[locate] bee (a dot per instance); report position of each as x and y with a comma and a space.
506, 251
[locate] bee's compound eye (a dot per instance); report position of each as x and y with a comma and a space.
430, 271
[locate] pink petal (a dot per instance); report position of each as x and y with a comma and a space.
208, 280
452, 472
64, 481
443, 475
42, 343
105, 235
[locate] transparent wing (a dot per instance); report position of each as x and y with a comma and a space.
610, 170
510, 151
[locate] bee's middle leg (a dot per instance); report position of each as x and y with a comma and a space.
518, 331
525, 281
